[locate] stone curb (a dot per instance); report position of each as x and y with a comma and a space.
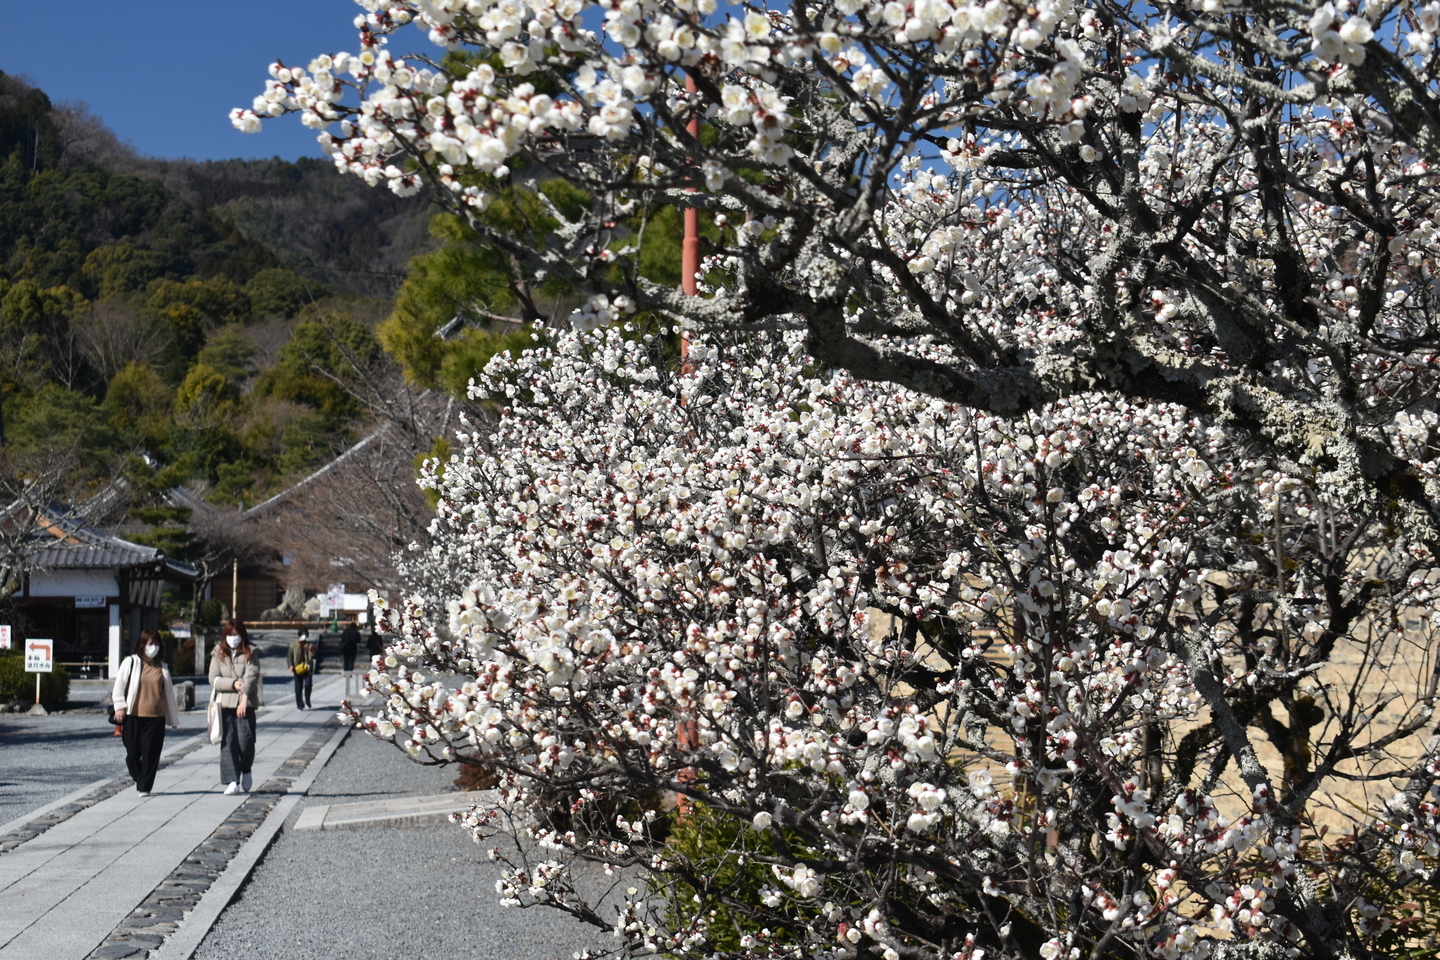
394, 812
161, 913
38, 812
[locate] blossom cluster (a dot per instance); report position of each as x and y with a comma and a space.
623, 84
882, 151
857, 615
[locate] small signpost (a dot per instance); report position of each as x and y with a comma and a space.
4, 636
335, 602
39, 658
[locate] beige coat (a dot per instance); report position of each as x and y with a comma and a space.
231, 676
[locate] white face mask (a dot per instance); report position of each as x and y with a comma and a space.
233, 641
151, 650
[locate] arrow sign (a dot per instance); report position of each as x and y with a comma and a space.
39, 656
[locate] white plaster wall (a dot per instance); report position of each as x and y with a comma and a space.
74, 583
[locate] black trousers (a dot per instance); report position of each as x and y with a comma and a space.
303, 683
349, 654
144, 739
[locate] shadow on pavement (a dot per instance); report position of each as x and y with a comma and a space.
34, 735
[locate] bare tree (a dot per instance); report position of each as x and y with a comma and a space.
113, 334
349, 519
40, 499
222, 538
84, 138
67, 360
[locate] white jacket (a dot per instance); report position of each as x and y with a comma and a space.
127, 679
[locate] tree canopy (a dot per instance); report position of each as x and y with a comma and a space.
1218, 208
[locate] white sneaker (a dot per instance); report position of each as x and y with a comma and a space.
233, 788
144, 793
245, 782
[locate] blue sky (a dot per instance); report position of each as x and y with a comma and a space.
163, 74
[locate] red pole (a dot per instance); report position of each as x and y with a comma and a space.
690, 247
687, 732
690, 253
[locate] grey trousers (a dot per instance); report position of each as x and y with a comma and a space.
237, 744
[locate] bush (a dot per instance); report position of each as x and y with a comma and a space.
209, 612
564, 811
16, 684
723, 859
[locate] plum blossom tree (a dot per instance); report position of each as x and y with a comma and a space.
960, 685
1061, 421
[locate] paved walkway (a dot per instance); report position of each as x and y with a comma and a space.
66, 893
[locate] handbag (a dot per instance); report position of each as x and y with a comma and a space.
301, 669
212, 720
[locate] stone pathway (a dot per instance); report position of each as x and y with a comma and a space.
159, 915
112, 874
38, 824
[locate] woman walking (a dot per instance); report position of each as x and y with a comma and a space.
301, 661
144, 701
235, 683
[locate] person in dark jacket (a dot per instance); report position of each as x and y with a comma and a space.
349, 643
301, 662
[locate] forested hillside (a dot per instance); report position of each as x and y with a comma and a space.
181, 322
332, 229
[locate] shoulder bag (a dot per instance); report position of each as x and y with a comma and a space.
216, 729
126, 667
213, 721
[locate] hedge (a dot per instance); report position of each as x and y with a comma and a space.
16, 684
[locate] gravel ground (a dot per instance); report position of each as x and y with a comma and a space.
383, 893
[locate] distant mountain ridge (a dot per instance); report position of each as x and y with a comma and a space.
306, 216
